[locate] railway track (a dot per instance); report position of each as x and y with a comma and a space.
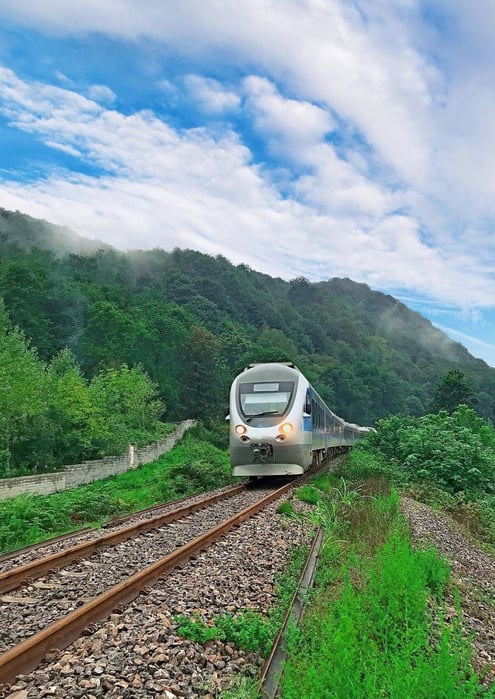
272, 671
14, 577
55, 544
51, 612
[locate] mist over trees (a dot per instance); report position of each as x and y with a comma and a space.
160, 336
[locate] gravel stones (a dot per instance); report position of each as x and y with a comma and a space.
138, 653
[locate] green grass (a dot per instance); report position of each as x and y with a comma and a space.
474, 511
286, 508
246, 629
192, 466
377, 625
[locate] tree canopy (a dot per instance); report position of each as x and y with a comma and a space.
452, 390
189, 322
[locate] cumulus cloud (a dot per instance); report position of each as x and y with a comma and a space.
383, 134
210, 94
162, 187
295, 123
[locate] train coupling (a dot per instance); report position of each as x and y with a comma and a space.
262, 451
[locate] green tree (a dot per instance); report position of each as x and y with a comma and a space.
23, 387
111, 337
452, 390
78, 426
127, 407
271, 345
26, 288
204, 380
454, 451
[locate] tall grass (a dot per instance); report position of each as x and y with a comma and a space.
377, 625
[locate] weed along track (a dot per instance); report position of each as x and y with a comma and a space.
53, 610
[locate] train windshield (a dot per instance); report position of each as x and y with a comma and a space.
262, 399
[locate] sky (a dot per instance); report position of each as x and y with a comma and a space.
313, 138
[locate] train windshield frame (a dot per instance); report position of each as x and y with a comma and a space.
265, 398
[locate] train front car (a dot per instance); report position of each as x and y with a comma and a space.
270, 433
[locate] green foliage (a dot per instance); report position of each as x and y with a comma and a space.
198, 466
215, 432
455, 451
50, 415
452, 390
372, 630
22, 393
190, 322
309, 494
286, 508
28, 519
203, 381
125, 401
195, 629
247, 629
445, 460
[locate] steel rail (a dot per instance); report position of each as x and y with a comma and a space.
11, 579
272, 671
28, 654
116, 521
46, 542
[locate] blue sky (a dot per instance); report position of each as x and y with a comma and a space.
314, 138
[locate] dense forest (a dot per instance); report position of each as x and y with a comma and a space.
173, 328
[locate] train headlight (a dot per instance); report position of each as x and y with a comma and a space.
286, 428
240, 429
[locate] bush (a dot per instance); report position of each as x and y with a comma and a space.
376, 627
454, 451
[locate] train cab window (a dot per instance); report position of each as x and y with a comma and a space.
262, 399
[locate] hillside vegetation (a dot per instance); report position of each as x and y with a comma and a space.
167, 331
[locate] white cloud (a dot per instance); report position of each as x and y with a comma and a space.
361, 64
211, 95
101, 93
191, 189
290, 122
386, 122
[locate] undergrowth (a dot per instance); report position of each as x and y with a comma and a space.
377, 625
194, 465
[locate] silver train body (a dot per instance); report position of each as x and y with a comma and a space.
279, 425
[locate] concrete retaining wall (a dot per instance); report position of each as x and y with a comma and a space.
78, 474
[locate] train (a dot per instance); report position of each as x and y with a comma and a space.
279, 424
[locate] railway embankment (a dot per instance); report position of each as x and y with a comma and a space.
203, 630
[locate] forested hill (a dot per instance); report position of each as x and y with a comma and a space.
192, 321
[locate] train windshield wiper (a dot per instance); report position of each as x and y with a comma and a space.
263, 414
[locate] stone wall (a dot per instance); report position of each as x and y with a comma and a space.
78, 474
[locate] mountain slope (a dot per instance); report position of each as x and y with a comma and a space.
192, 321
